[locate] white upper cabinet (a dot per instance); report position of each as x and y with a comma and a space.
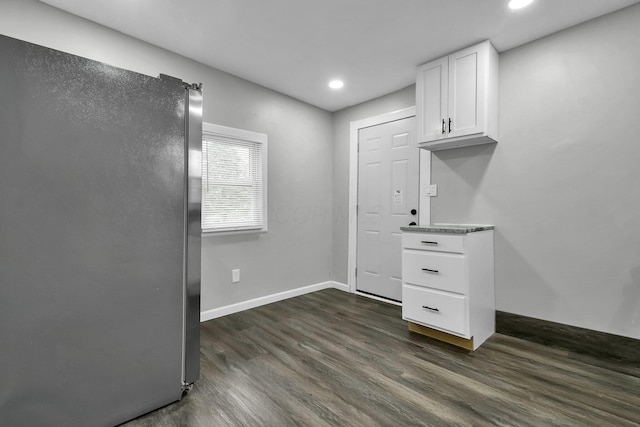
457, 99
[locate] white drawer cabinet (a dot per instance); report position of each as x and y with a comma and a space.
438, 242
457, 99
443, 310
435, 270
448, 283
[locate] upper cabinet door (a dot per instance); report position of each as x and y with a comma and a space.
457, 99
431, 105
466, 112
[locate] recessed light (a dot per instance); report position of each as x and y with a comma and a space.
336, 84
519, 4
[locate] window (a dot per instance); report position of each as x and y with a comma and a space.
234, 179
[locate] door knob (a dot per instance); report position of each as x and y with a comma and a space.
413, 211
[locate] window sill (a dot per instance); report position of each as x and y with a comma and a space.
232, 232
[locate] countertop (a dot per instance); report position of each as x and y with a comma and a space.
447, 228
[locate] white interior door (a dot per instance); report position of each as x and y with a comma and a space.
388, 173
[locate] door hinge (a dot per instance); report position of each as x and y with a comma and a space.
194, 86
356, 272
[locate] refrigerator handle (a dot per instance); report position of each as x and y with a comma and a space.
192, 248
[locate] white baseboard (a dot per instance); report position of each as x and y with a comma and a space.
341, 286
268, 299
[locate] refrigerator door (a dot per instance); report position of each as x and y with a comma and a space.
92, 222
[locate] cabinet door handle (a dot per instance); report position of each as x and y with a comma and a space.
443, 131
430, 308
427, 242
449, 124
430, 270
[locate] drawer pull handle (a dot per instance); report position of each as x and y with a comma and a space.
427, 242
430, 270
430, 308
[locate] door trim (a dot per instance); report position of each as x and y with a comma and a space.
353, 184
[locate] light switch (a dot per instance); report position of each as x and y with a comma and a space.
431, 190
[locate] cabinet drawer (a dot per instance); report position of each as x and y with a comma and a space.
440, 310
435, 270
434, 242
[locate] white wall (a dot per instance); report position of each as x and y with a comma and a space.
296, 251
563, 184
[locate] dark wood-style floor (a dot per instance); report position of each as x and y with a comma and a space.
337, 359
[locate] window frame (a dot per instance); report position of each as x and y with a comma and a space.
229, 133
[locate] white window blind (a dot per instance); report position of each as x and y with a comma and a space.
233, 179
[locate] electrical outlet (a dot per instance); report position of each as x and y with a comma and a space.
235, 275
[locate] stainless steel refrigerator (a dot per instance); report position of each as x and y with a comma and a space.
99, 239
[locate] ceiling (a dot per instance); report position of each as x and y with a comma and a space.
296, 46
